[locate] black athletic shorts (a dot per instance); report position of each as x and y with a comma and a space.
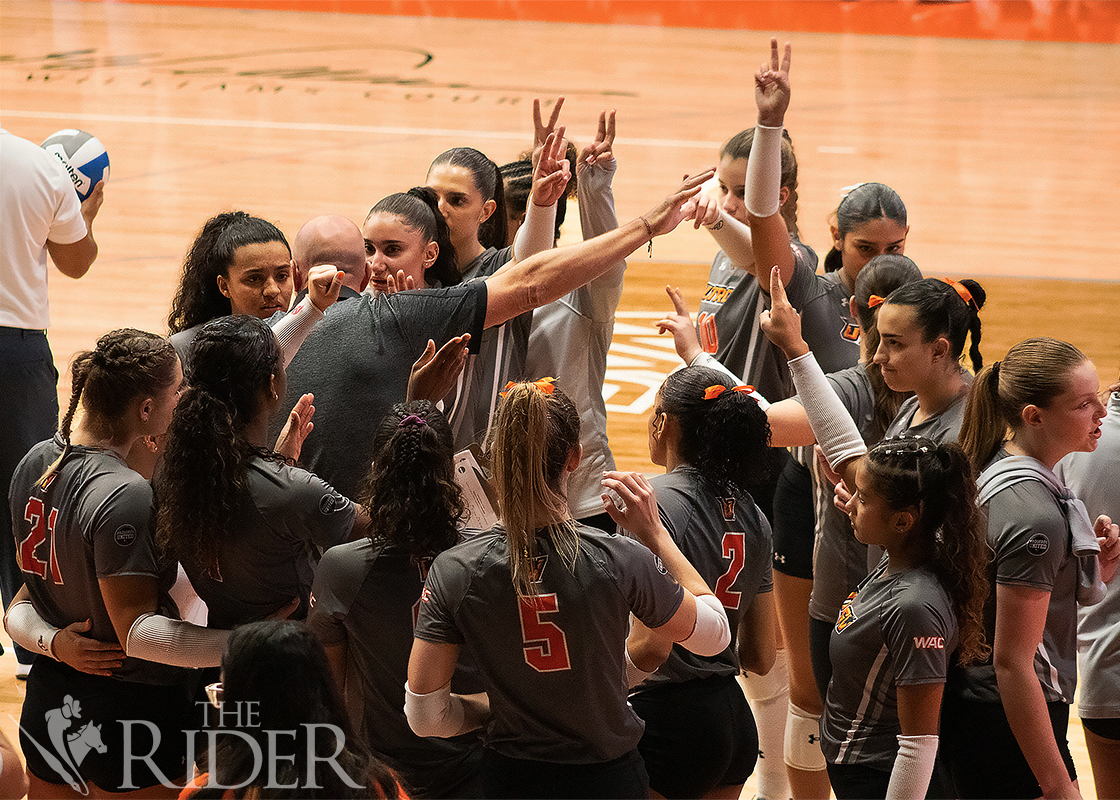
77, 728
1108, 728
506, 777
795, 522
699, 734
980, 754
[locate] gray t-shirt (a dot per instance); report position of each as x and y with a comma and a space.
357, 362
728, 322
1032, 546
93, 520
501, 355
839, 558
1094, 478
895, 630
269, 557
366, 595
553, 664
943, 427
728, 540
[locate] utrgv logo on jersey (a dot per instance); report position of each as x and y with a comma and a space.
728, 506
68, 750
846, 617
850, 332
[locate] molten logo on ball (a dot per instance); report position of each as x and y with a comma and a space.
82, 156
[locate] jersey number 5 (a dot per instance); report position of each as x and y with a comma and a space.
546, 648
42, 528
733, 548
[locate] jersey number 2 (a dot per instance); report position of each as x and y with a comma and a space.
546, 647
42, 528
733, 548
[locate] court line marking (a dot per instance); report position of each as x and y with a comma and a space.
326, 127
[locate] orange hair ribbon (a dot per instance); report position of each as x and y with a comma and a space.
875, 301
961, 289
712, 392
544, 384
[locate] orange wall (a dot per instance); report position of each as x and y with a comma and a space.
1035, 20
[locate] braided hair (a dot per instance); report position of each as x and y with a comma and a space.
410, 491
231, 366
126, 364
939, 479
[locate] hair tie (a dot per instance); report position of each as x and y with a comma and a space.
544, 384
712, 392
412, 418
961, 289
995, 378
875, 301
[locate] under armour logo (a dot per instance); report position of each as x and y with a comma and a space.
813, 738
70, 749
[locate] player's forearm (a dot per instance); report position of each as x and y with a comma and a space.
734, 238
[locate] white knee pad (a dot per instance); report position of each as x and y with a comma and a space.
773, 684
803, 740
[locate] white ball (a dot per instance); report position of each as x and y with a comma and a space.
82, 156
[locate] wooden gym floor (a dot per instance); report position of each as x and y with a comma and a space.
1005, 151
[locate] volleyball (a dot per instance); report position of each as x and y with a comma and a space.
82, 156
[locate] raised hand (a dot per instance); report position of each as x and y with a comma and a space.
1108, 537
707, 211
782, 323
324, 282
297, 428
552, 171
92, 204
601, 151
679, 323
639, 514
540, 130
676, 208
434, 373
72, 647
771, 88
399, 283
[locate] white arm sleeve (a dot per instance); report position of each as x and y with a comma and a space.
712, 633
537, 233
913, 767
293, 327
154, 637
29, 630
832, 425
734, 238
441, 713
634, 675
764, 172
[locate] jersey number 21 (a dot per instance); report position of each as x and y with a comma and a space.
42, 522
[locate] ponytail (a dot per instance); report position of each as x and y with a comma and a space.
533, 437
940, 481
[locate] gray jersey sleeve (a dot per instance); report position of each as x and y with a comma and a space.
337, 581
121, 535
1030, 540
307, 508
651, 592
920, 634
443, 589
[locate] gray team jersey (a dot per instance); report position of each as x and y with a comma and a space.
366, 596
896, 630
839, 558
357, 362
1094, 478
268, 558
501, 355
728, 540
1032, 546
734, 300
93, 520
553, 665
943, 427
